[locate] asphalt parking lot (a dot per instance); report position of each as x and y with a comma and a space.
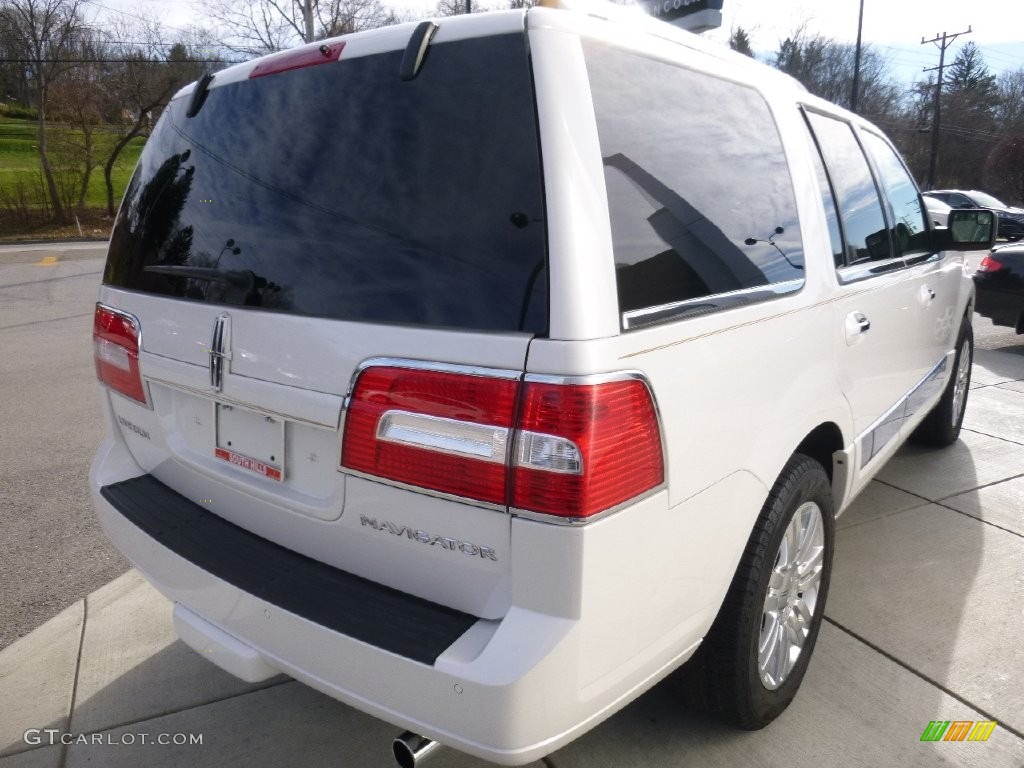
923, 621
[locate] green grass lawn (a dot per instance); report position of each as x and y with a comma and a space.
19, 159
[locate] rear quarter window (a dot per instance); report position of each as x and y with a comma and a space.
703, 213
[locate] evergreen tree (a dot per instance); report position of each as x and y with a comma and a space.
739, 41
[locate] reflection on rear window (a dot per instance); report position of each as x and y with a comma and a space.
703, 213
341, 191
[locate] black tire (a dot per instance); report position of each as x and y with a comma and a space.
941, 427
724, 676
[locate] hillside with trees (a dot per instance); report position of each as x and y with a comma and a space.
981, 134
79, 94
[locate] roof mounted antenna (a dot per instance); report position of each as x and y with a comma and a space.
416, 50
199, 95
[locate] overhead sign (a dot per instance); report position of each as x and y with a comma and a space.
694, 15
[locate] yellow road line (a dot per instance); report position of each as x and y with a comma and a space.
47, 261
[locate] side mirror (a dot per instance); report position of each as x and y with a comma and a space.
967, 230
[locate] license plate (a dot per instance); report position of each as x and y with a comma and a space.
250, 441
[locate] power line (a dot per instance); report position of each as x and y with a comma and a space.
117, 61
132, 15
947, 40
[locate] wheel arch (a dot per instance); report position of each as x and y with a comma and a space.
825, 445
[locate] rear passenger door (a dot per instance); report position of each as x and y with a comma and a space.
878, 327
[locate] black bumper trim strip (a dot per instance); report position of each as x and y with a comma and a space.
359, 608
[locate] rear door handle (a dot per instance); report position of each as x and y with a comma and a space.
857, 325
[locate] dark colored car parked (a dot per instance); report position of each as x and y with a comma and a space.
999, 282
1011, 219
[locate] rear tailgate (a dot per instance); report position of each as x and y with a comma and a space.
309, 222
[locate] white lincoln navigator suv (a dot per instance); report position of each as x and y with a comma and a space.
481, 373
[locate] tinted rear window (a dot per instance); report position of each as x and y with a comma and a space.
341, 191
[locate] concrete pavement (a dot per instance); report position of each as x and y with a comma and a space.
52, 551
923, 623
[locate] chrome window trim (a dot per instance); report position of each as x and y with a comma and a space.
923, 258
864, 270
138, 332
675, 309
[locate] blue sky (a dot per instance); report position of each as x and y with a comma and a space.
894, 27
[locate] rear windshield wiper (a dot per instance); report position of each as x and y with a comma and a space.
242, 277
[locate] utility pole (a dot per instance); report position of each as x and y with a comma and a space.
856, 61
469, 6
942, 41
307, 17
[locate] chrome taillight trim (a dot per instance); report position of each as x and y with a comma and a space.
575, 522
137, 325
427, 365
499, 373
605, 378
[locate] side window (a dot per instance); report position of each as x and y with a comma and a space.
960, 201
867, 237
828, 200
703, 213
909, 223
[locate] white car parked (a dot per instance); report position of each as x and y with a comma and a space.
480, 374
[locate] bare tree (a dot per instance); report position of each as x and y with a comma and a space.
77, 103
47, 32
256, 27
825, 67
1010, 110
14, 82
1004, 168
141, 83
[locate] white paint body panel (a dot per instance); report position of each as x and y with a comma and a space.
573, 621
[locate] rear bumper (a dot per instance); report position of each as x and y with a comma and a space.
407, 626
560, 661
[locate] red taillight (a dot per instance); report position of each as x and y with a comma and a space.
433, 429
614, 428
989, 264
115, 338
576, 449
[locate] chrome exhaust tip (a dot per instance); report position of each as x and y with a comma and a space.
412, 750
